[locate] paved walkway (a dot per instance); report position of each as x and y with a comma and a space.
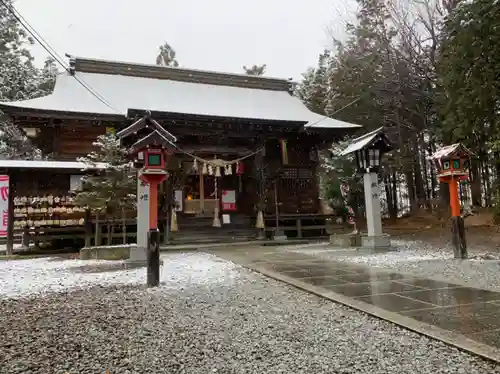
470, 312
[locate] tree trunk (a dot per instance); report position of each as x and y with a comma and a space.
124, 226
97, 238
497, 171
88, 228
475, 183
425, 168
410, 185
395, 191
391, 195
417, 172
485, 167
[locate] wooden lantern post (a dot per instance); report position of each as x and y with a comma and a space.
149, 154
452, 163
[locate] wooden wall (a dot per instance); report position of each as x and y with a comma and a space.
41, 182
297, 186
74, 139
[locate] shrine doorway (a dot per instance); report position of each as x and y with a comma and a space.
232, 193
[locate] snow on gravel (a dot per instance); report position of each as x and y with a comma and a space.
418, 259
42, 275
210, 316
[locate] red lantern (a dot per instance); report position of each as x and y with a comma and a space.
240, 168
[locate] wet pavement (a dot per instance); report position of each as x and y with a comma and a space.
471, 312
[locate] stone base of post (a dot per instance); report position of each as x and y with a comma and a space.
138, 255
279, 235
376, 243
137, 258
458, 238
345, 240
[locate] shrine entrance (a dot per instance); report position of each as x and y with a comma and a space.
199, 194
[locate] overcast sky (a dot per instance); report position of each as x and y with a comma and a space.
221, 35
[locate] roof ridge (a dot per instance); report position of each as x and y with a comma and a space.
99, 66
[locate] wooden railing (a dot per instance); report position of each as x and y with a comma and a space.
295, 226
302, 225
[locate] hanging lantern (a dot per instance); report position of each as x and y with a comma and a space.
195, 165
204, 170
217, 171
229, 169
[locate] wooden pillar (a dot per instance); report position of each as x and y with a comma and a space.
97, 238
167, 205
457, 222
88, 228
299, 228
260, 177
202, 193
10, 214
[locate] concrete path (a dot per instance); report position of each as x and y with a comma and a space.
465, 317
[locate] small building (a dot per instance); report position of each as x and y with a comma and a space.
213, 115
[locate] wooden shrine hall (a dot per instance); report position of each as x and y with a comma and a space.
245, 144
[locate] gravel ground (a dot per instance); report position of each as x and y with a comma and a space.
210, 316
420, 259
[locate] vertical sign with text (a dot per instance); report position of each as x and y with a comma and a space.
229, 200
4, 201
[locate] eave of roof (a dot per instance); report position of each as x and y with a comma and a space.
367, 140
123, 92
452, 150
54, 165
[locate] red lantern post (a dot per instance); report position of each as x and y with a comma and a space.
151, 152
452, 163
153, 173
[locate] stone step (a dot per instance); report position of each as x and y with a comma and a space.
198, 239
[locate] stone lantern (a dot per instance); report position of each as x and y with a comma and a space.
368, 151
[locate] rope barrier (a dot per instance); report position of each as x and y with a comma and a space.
223, 162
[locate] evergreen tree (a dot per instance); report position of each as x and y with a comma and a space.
47, 76
469, 71
112, 189
166, 56
312, 90
257, 70
385, 74
19, 80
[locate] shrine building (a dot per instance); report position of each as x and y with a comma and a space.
265, 139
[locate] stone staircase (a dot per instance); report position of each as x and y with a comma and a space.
199, 230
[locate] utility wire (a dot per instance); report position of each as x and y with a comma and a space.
38, 38
45, 45
337, 111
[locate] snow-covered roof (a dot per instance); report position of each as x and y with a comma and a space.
450, 150
124, 91
35, 164
366, 140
